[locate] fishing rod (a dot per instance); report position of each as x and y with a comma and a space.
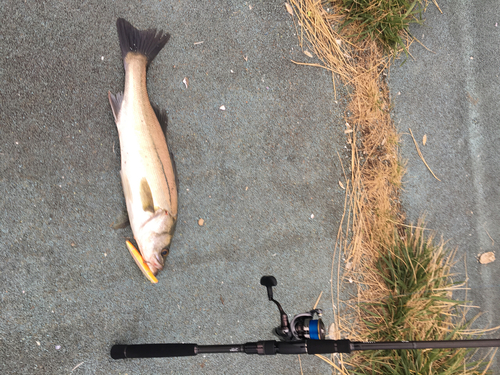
304, 334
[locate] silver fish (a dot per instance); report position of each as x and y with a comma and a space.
148, 169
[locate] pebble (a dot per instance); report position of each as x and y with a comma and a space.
486, 258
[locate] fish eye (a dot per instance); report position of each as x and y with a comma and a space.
165, 252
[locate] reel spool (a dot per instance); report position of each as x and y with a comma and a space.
304, 326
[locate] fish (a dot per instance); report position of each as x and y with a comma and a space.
148, 171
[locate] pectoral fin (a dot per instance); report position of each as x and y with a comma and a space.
146, 196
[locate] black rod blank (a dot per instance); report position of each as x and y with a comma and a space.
272, 347
485, 343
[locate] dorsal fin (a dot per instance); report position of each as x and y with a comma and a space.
116, 103
146, 196
162, 117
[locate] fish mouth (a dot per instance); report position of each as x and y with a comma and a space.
143, 266
155, 266
152, 260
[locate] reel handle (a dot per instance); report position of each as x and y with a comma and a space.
269, 282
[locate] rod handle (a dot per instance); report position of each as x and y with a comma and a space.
153, 350
328, 346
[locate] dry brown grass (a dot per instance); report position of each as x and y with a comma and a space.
374, 175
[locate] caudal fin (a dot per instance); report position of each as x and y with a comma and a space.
147, 42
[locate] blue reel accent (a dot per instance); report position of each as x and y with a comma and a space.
314, 329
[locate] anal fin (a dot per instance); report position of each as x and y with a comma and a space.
121, 220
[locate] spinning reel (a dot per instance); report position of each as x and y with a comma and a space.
303, 326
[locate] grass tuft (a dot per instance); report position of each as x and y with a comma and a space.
418, 306
384, 21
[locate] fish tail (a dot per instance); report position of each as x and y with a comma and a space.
146, 42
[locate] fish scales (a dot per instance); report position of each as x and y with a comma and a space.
147, 167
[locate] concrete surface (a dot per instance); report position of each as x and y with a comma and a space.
452, 94
256, 173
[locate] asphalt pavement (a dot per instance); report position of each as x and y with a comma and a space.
262, 173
